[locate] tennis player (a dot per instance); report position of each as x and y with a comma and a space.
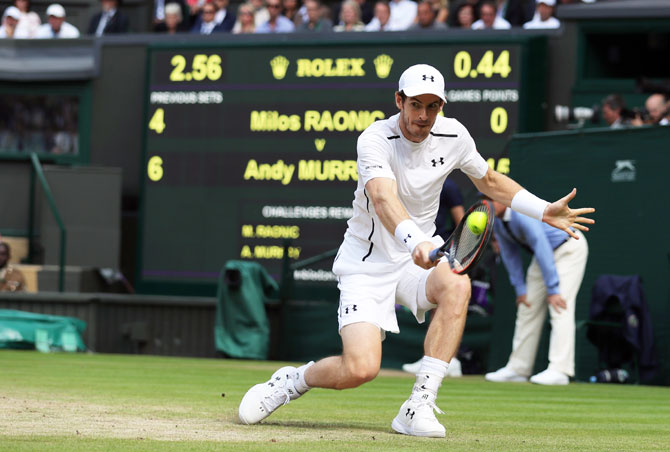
384, 258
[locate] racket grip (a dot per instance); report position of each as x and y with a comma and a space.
435, 254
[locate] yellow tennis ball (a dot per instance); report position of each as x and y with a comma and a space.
476, 222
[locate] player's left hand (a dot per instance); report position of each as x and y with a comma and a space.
559, 215
421, 255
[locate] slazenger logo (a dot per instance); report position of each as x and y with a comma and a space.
624, 171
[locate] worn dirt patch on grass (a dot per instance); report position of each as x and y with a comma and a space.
27, 416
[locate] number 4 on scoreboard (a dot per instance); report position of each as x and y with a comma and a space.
157, 122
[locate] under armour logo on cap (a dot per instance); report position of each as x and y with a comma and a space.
422, 79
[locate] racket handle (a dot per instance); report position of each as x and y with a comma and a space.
435, 254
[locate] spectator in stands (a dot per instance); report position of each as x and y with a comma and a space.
367, 11
350, 17
455, 6
194, 9
261, 13
174, 20
516, 12
465, 16
11, 278
291, 10
206, 24
302, 14
441, 8
657, 106
403, 14
316, 21
543, 17
160, 13
110, 20
613, 106
225, 18
426, 18
245, 19
489, 19
326, 11
57, 28
277, 22
10, 19
381, 21
29, 21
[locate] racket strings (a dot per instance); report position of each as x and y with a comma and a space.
464, 249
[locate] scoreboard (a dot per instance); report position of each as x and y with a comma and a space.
248, 144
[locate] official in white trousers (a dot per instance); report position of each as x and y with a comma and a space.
551, 283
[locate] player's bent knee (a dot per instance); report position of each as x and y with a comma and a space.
444, 281
462, 285
361, 370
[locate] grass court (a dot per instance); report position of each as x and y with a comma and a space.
89, 402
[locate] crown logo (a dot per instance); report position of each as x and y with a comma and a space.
279, 65
383, 65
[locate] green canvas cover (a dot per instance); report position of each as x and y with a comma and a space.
242, 329
28, 330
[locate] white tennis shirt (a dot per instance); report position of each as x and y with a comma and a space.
419, 170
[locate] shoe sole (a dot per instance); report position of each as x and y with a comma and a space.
400, 428
506, 380
550, 384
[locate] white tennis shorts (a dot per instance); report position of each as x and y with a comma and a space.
372, 298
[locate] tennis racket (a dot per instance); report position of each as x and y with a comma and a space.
465, 247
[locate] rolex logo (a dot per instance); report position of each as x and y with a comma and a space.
383, 65
279, 65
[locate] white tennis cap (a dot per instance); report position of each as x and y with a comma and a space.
547, 2
56, 10
422, 79
12, 11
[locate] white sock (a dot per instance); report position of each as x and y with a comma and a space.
300, 384
430, 374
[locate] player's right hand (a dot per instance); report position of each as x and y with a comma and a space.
421, 255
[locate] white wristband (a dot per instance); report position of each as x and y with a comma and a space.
528, 204
409, 234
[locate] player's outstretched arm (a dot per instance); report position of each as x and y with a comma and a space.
559, 215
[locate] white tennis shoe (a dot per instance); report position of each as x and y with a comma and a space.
504, 375
417, 416
550, 377
264, 398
